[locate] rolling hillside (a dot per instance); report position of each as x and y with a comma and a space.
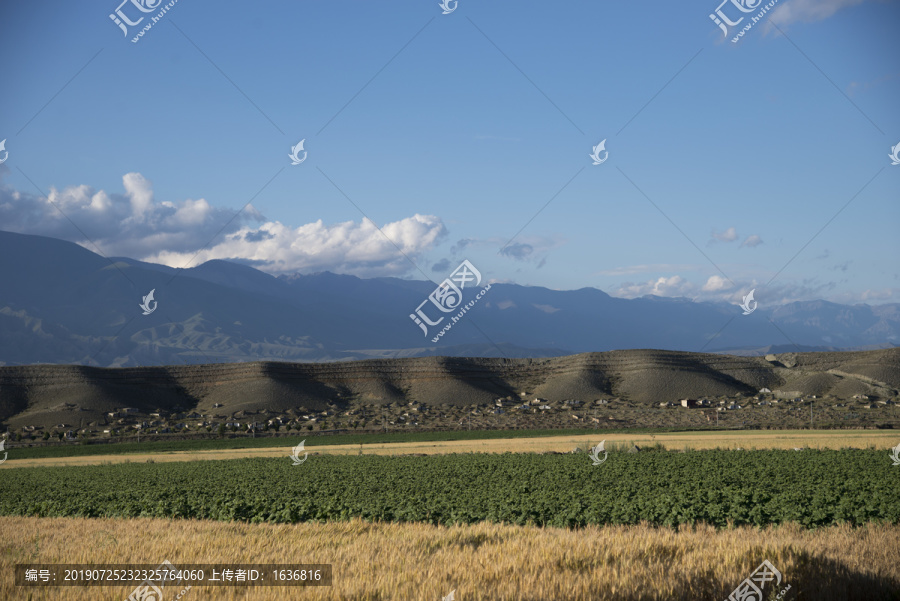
70, 394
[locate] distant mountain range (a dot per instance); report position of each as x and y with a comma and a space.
61, 303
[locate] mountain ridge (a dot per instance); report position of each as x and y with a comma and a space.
63, 304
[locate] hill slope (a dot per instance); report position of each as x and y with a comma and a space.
67, 394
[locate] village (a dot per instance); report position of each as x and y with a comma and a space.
766, 409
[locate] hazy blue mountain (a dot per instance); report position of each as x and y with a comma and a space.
61, 303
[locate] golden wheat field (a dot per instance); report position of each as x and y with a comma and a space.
482, 562
756, 439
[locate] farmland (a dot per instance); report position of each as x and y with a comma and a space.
481, 562
670, 521
811, 488
487, 495
490, 441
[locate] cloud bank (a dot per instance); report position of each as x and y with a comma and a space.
189, 232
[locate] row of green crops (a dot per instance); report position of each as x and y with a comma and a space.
813, 488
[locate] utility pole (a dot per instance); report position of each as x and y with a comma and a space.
810, 416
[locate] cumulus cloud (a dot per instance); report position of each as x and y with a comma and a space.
140, 192
716, 283
729, 235
135, 225
349, 247
130, 224
671, 286
752, 241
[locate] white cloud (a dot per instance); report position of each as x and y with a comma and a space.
729, 235
140, 192
716, 283
807, 11
671, 286
720, 289
752, 241
546, 308
349, 247
135, 225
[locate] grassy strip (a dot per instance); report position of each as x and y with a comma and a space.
312, 440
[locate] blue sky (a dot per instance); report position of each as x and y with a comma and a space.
465, 133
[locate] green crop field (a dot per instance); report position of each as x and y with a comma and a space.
812, 488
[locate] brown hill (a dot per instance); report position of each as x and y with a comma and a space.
50, 395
